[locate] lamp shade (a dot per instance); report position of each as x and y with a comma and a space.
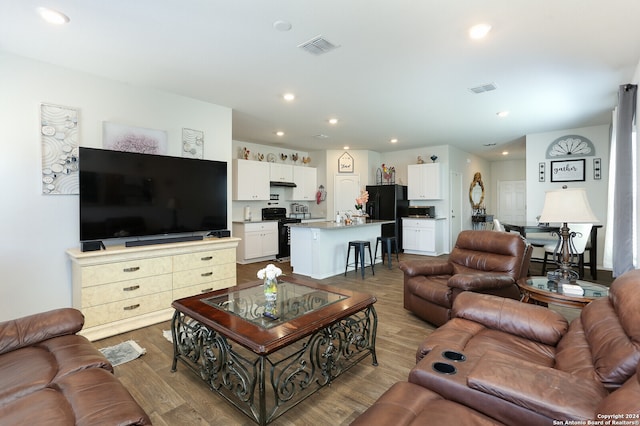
567, 205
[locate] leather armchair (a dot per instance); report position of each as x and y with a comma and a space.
482, 261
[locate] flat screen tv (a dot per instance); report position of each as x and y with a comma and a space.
125, 195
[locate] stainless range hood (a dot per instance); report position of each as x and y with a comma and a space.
285, 184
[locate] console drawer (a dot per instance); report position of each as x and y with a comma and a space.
179, 293
113, 292
110, 312
124, 271
203, 258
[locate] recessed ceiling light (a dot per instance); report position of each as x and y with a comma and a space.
288, 97
394, 140
502, 114
333, 121
53, 16
479, 31
279, 133
346, 147
505, 152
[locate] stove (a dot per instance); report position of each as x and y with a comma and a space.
284, 237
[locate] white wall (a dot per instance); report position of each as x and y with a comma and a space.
36, 229
597, 189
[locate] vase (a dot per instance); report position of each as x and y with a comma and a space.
270, 288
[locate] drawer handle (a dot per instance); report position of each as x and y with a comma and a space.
206, 290
133, 287
132, 307
206, 258
206, 274
132, 269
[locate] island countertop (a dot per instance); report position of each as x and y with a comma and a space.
330, 225
319, 249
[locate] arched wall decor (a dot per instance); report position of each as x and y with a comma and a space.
571, 146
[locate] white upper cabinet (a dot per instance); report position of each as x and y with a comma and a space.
424, 181
250, 180
281, 172
305, 179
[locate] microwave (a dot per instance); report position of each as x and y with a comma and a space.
422, 211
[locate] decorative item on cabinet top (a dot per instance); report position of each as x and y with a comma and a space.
386, 175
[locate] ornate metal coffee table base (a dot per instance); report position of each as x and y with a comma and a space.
266, 386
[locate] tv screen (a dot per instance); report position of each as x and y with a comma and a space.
124, 194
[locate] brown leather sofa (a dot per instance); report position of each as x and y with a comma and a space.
410, 404
482, 261
525, 362
51, 376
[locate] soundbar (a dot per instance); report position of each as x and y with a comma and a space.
138, 243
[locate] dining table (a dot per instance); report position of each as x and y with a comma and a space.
536, 227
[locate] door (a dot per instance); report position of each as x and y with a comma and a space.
455, 195
512, 201
346, 190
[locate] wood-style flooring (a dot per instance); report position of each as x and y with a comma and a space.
181, 398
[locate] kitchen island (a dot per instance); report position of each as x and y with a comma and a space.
319, 249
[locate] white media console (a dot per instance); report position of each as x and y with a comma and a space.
123, 288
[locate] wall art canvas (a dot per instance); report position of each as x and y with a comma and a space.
121, 137
192, 143
59, 133
567, 171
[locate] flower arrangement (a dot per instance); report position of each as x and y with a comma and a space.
270, 272
362, 199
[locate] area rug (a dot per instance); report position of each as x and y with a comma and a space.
123, 352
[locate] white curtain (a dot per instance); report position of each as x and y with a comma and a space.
621, 238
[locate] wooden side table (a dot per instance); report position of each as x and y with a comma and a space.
541, 291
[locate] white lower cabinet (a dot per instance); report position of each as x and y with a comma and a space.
423, 236
258, 241
123, 288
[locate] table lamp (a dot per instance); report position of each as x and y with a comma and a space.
566, 205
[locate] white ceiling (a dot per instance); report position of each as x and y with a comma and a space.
403, 68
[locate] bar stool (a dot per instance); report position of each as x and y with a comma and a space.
386, 243
358, 247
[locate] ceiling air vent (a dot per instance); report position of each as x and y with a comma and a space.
484, 88
318, 45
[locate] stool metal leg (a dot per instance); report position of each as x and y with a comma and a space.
373, 272
388, 252
346, 266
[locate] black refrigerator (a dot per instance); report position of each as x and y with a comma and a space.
389, 202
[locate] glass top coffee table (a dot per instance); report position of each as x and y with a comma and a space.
266, 364
544, 291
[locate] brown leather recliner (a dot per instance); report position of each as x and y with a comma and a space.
523, 364
409, 404
50, 375
482, 261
